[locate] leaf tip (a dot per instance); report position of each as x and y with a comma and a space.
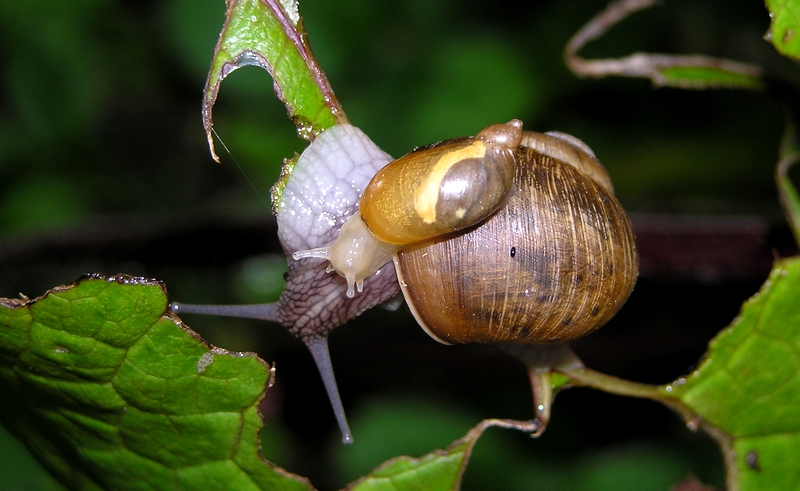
210, 139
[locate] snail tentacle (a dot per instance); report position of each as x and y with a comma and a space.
264, 311
322, 357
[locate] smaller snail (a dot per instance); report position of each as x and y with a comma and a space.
430, 192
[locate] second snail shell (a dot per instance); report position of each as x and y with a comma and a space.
556, 262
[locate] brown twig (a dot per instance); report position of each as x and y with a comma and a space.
644, 65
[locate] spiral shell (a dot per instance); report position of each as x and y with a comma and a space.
556, 262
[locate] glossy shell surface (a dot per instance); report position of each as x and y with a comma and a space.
556, 262
442, 188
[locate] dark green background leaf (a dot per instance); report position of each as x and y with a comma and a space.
708, 77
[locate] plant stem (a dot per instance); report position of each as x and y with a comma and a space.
586, 377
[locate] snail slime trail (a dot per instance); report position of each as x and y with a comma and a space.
506, 237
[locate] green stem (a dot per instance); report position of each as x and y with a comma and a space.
541, 360
586, 377
542, 390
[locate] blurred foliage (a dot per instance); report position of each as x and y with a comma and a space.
99, 100
19, 471
100, 121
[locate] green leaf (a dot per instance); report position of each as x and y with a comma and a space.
747, 388
438, 470
707, 77
110, 391
270, 34
784, 30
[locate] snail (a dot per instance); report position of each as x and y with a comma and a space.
506, 237
555, 262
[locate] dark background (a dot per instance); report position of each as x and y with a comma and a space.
104, 168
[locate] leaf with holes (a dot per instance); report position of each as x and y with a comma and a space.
270, 34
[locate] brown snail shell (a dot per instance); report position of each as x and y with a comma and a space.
556, 262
